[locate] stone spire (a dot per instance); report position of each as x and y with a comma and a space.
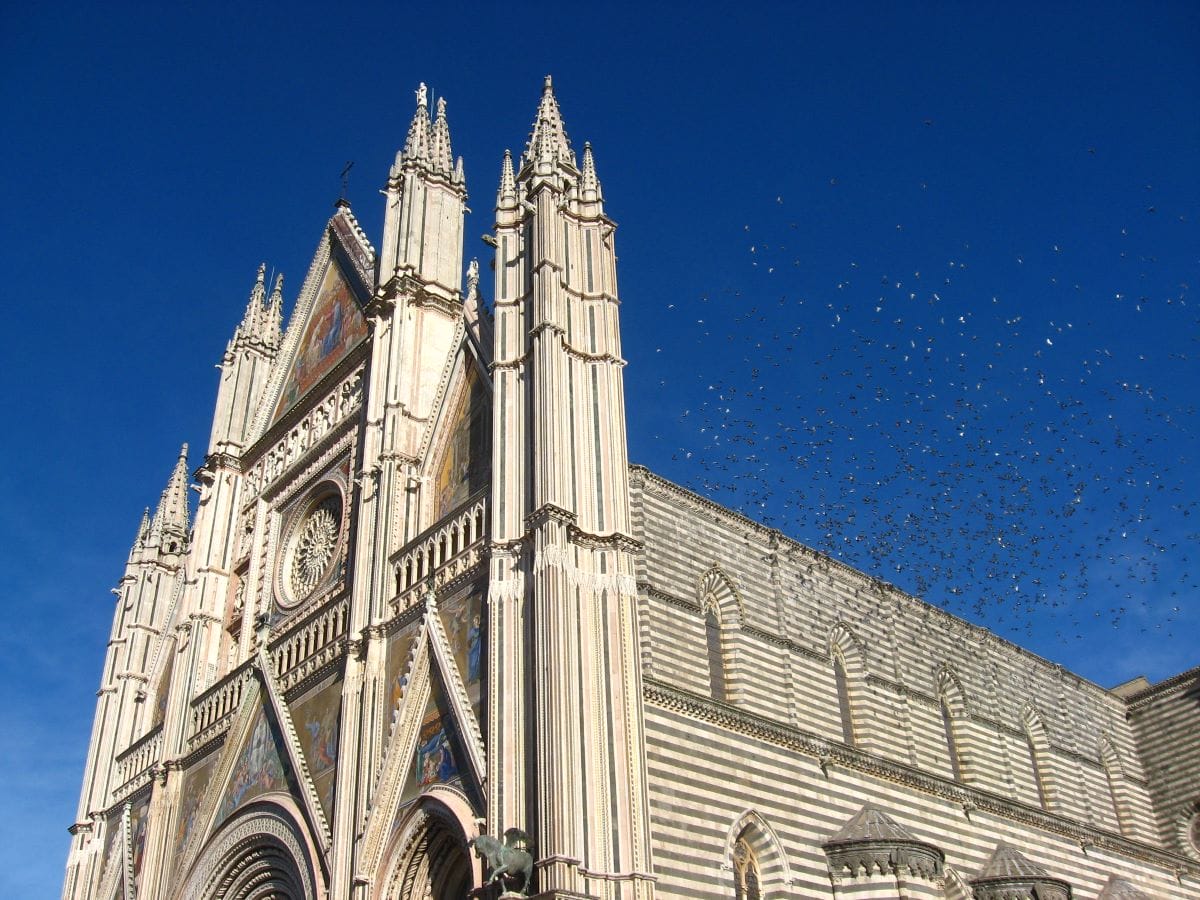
548, 141
506, 197
171, 517
416, 145
422, 227
143, 532
273, 318
441, 159
589, 184
251, 326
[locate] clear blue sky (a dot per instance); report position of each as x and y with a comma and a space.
915, 283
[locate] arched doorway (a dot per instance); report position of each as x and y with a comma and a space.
261, 854
430, 859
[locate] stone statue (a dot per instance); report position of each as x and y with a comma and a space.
507, 860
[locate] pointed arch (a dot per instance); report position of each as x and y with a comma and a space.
428, 850
1118, 786
1037, 741
849, 675
264, 849
724, 613
716, 587
754, 855
952, 704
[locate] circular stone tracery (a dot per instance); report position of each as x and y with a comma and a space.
314, 545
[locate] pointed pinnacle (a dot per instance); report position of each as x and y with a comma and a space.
416, 145
459, 176
589, 184
274, 314
548, 140
144, 528
439, 141
172, 512
252, 318
506, 197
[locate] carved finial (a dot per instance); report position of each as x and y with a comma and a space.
472, 275
439, 141
272, 327
506, 197
459, 176
252, 318
170, 523
416, 145
548, 141
589, 184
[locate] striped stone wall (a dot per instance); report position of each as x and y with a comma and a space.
786, 613
1164, 718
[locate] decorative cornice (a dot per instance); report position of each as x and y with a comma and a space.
653, 483
669, 697
547, 513
1173, 685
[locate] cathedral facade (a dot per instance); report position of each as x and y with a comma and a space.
429, 622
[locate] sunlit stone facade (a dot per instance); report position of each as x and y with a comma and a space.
425, 597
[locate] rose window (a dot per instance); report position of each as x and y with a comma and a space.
315, 544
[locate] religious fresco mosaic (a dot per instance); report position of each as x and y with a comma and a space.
462, 618
164, 686
261, 767
112, 841
192, 792
317, 716
138, 818
335, 326
436, 758
399, 651
466, 460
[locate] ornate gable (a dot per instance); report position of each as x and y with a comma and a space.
328, 321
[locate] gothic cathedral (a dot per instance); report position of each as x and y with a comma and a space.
431, 636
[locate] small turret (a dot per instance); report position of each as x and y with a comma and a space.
169, 527
548, 143
143, 532
441, 159
246, 365
589, 184
416, 145
422, 227
272, 332
506, 197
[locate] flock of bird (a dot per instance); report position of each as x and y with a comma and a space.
1000, 443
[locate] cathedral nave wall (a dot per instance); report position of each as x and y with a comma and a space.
793, 612
709, 774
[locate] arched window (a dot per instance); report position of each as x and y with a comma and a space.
951, 745
1038, 745
746, 879
716, 659
843, 692
1114, 775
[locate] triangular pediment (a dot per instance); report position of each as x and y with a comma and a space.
327, 322
433, 712
459, 458
260, 766
317, 718
335, 326
262, 756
